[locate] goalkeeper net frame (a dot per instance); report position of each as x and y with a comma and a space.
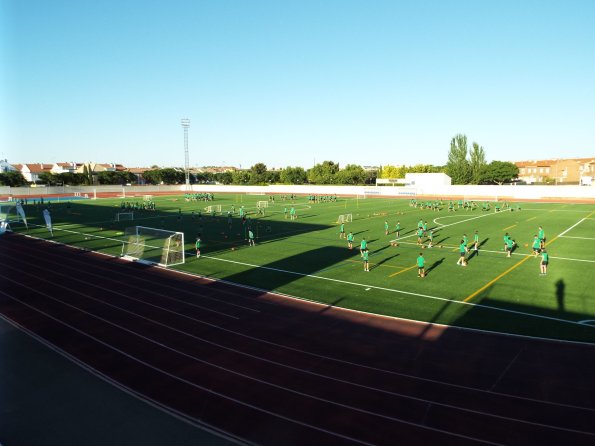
345, 218
124, 216
213, 208
8, 214
153, 246
262, 204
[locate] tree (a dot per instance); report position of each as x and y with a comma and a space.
499, 172
48, 178
152, 176
389, 171
88, 174
293, 175
477, 163
172, 176
223, 177
108, 177
458, 166
72, 179
323, 173
258, 173
240, 177
12, 178
351, 174
272, 177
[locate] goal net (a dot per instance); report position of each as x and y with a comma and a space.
8, 212
345, 218
262, 204
215, 208
124, 216
7, 215
152, 245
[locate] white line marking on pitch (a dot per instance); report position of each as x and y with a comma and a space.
394, 290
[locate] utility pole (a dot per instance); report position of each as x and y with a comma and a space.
185, 125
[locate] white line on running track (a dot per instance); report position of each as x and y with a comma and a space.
206, 389
394, 290
332, 378
392, 372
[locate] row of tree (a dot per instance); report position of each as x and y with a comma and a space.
469, 166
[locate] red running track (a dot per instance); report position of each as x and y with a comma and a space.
269, 369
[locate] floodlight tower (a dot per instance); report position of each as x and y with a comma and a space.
185, 125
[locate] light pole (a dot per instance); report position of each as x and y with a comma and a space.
185, 125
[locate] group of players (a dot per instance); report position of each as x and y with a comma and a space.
423, 236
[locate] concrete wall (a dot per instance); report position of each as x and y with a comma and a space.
560, 193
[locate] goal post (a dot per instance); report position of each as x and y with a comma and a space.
7, 215
153, 246
124, 216
262, 204
214, 208
345, 218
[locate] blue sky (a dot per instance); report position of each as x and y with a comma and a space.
293, 82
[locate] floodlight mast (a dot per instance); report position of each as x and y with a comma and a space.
185, 125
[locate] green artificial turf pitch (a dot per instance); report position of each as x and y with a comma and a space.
305, 257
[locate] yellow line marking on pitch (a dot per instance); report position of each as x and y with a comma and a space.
372, 264
508, 227
399, 272
491, 282
532, 218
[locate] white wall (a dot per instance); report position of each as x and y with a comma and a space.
472, 192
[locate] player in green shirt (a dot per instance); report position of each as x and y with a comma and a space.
342, 231
536, 245
285, 213
421, 270
506, 237
425, 228
541, 235
365, 256
431, 238
476, 243
385, 227
462, 251
197, 245
363, 246
509, 246
398, 228
420, 224
465, 240
251, 238
544, 261
350, 240
420, 234
292, 215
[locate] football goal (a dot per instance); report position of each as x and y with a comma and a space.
262, 204
153, 246
7, 215
124, 216
147, 197
345, 218
215, 208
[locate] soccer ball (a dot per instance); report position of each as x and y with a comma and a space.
526, 245
233, 248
